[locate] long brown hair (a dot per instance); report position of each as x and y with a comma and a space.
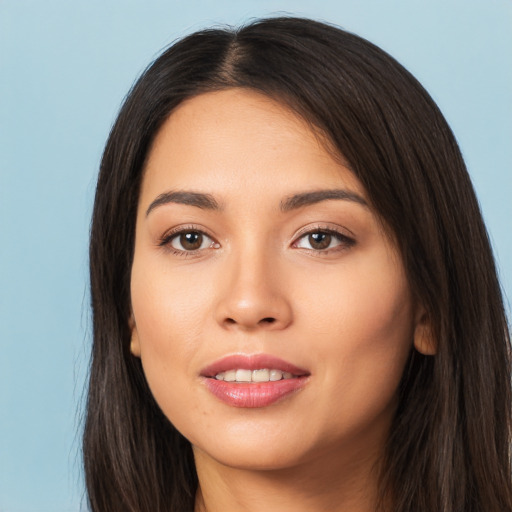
449, 449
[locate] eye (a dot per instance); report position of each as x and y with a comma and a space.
187, 241
323, 240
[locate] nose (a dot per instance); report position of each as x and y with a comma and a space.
254, 295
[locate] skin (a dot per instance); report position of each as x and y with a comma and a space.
345, 313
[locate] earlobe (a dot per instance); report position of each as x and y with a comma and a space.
424, 341
134, 341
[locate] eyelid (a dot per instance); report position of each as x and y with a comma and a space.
164, 241
345, 236
325, 227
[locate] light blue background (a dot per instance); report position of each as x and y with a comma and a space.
65, 67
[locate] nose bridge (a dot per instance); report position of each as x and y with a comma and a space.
253, 294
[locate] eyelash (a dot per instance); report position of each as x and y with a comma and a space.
345, 242
167, 238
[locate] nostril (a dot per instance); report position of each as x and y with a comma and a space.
267, 321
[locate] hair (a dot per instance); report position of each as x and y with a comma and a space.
449, 445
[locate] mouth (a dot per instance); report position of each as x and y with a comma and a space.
253, 381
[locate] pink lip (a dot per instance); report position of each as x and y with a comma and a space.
255, 394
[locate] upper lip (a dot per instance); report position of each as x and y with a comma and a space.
251, 362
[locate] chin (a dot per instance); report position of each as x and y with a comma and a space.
248, 456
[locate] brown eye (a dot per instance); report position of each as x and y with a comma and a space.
189, 241
319, 241
323, 240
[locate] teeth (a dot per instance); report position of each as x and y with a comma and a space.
230, 375
243, 375
260, 375
263, 375
275, 375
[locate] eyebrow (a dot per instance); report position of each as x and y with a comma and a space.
308, 198
200, 200
294, 202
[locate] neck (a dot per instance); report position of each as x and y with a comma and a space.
326, 484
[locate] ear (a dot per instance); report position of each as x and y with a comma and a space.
424, 341
134, 341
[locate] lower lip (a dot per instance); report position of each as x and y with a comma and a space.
256, 394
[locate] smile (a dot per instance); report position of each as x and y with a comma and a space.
253, 381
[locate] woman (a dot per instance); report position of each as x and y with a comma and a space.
294, 298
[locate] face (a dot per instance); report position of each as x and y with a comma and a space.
270, 309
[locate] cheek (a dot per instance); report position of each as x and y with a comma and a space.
169, 321
169, 310
362, 324
361, 304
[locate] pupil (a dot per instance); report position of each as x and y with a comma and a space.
320, 240
191, 241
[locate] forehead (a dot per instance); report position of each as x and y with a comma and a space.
241, 140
